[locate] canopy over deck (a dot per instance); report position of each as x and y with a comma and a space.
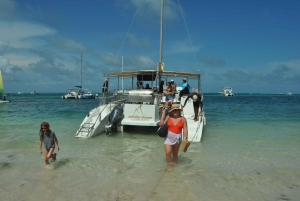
150, 75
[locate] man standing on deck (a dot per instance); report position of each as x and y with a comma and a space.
161, 87
174, 86
197, 102
185, 88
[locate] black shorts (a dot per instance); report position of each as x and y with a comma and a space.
196, 104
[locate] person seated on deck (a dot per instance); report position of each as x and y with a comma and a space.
147, 86
174, 85
169, 92
185, 88
197, 102
140, 85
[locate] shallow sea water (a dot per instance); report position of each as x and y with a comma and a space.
249, 151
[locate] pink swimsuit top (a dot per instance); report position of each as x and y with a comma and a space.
177, 129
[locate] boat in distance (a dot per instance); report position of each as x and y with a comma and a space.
227, 91
77, 92
2, 94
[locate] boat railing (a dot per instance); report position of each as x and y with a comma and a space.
141, 95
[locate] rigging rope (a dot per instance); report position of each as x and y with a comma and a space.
127, 32
189, 35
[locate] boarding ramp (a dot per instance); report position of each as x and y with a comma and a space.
195, 129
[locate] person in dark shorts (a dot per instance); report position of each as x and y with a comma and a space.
197, 102
49, 139
174, 85
185, 88
161, 87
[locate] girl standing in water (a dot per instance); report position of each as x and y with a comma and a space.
49, 139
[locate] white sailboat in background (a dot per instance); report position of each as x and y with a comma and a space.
78, 92
2, 94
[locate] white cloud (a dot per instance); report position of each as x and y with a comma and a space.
3, 46
180, 46
68, 44
146, 62
21, 34
22, 60
150, 8
4, 64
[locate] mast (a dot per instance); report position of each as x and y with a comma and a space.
81, 73
161, 30
122, 76
160, 65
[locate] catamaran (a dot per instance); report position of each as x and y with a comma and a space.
77, 92
141, 107
2, 94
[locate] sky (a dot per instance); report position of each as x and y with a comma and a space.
251, 46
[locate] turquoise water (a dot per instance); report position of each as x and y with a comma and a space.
249, 151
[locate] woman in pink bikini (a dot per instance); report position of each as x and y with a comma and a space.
176, 123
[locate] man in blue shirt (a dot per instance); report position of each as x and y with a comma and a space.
185, 88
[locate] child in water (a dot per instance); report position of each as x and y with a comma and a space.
49, 139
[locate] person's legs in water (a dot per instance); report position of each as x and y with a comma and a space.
168, 150
175, 152
48, 154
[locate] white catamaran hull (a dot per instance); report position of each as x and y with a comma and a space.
95, 121
138, 113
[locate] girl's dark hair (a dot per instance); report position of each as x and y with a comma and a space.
44, 125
